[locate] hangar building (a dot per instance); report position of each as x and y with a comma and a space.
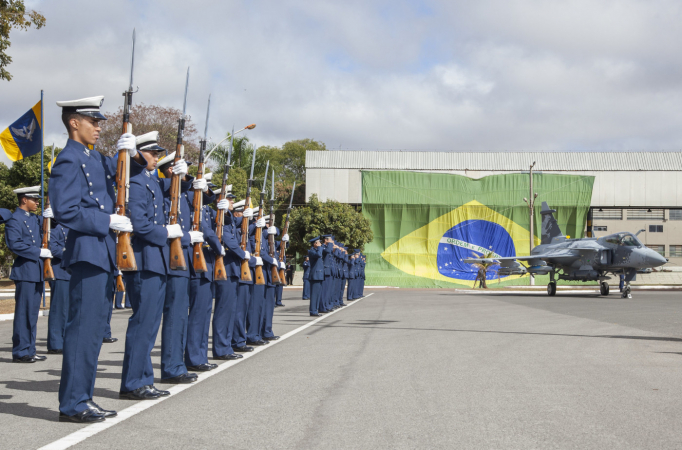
632, 190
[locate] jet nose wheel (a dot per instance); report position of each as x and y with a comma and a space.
551, 288
626, 292
604, 288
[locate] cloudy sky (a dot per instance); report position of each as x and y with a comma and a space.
444, 75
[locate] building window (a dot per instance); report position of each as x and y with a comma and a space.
658, 248
655, 228
600, 228
676, 214
646, 214
676, 251
607, 214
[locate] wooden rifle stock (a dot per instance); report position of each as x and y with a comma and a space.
245, 271
283, 249
274, 270
260, 277
125, 258
177, 257
48, 273
219, 272
120, 287
199, 261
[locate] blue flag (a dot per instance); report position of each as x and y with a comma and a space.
23, 138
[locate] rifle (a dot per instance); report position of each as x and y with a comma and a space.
197, 203
177, 258
282, 244
48, 273
274, 270
260, 278
245, 272
120, 287
125, 259
219, 272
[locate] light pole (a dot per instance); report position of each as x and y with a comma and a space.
250, 127
531, 210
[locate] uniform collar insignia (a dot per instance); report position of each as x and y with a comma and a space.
27, 213
148, 173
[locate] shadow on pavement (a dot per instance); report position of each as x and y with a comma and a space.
31, 412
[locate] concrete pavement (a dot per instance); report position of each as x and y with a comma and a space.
405, 369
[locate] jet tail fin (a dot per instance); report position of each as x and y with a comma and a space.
550, 227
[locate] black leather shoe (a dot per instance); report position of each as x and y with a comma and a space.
279, 304
202, 367
25, 359
109, 340
152, 388
260, 342
185, 378
273, 338
244, 349
119, 307
99, 410
39, 357
231, 357
57, 351
315, 315
143, 393
342, 305
85, 416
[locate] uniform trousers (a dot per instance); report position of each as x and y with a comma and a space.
315, 295
199, 321
90, 292
337, 291
254, 316
119, 300
306, 289
174, 327
278, 295
27, 297
226, 295
147, 292
268, 311
362, 288
243, 301
59, 311
342, 282
325, 299
351, 289
107, 328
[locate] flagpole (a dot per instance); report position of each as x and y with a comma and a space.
42, 171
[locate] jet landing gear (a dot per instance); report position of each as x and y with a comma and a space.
604, 288
626, 291
551, 287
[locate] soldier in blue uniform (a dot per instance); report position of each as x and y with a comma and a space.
316, 275
255, 316
201, 295
343, 268
327, 286
59, 292
241, 213
280, 289
352, 277
270, 288
23, 237
146, 287
306, 281
82, 196
363, 263
176, 303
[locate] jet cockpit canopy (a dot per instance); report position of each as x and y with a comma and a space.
624, 239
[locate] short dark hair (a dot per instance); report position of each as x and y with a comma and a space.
66, 118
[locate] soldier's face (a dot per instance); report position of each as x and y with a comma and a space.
31, 204
86, 129
152, 158
238, 213
316, 244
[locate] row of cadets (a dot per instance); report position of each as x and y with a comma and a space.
23, 232
328, 285
255, 316
316, 275
238, 338
201, 292
271, 288
82, 196
306, 280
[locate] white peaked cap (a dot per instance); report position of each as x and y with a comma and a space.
240, 204
148, 141
208, 176
165, 160
28, 191
87, 106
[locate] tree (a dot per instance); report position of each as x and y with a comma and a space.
13, 14
146, 118
483, 268
330, 217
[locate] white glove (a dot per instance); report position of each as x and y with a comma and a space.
118, 272
272, 230
120, 223
208, 176
196, 236
174, 231
247, 255
282, 266
248, 213
224, 204
260, 223
127, 142
259, 261
45, 253
47, 214
200, 185
222, 251
285, 238
180, 168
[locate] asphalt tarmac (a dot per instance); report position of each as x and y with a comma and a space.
401, 369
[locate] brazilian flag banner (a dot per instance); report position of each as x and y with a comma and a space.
23, 138
425, 224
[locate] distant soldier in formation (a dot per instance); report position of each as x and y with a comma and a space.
306, 281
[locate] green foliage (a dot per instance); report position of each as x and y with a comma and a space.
330, 217
13, 14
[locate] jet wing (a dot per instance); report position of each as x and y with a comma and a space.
548, 256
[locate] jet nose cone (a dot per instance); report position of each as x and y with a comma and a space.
655, 259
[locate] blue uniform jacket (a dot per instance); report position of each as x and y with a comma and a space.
316, 264
23, 237
146, 205
58, 238
345, 266
328, 258
82, 198
306, 269
234, 254
211, 245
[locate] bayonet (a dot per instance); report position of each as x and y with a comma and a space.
291, 200
132, 63
265, 180
253, 161
208, 111
184, 103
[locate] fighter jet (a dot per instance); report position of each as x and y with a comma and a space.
587, 259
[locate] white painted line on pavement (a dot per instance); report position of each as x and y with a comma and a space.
91, 430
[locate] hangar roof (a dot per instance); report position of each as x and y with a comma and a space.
499, 161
